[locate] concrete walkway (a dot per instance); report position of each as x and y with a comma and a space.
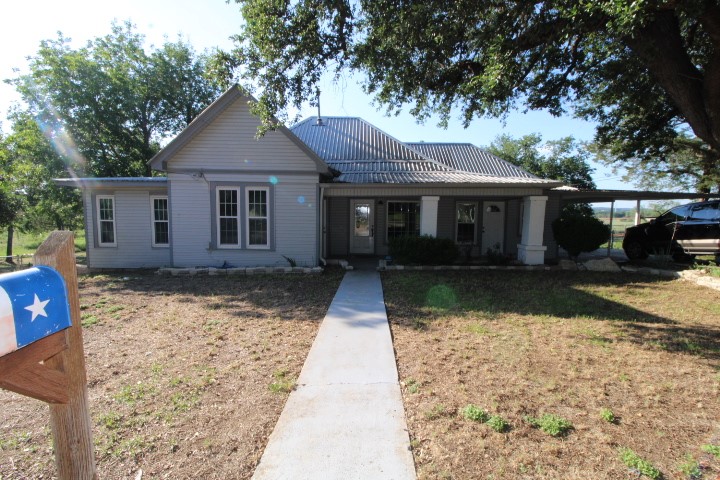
345, 420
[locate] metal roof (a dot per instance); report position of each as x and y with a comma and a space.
469, 158
362, 153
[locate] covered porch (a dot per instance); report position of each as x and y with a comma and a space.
361, 221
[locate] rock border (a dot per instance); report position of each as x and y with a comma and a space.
213, 271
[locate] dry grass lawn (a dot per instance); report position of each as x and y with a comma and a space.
643, 350
187, 376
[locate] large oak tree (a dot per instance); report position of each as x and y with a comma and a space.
647, 71
112, 102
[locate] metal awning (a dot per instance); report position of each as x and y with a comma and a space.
597, 196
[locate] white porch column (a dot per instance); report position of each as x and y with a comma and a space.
428, 215
531, 250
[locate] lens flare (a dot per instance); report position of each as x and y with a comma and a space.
273, 180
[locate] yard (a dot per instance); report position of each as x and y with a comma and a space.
187, 376
628, 365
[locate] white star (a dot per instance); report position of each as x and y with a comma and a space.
37, 308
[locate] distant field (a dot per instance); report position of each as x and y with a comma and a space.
27, 243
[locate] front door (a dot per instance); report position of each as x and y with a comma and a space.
362, 227
493, 227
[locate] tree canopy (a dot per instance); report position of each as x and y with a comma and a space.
563, 159
111, 103
647, 72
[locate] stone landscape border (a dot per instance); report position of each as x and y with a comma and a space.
213, 271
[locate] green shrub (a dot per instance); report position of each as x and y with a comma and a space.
608, 415
578, 233
475, 413
423, 250
497, 423
632, 460
551, 424
712, 449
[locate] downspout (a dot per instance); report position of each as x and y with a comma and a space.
322, 227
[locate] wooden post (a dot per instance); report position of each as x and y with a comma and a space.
70, 422
610, 240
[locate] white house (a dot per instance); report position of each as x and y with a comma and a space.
329, 187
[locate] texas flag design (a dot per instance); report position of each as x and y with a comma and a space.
33, 305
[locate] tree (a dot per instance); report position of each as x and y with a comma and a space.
645, 71
110, 103
30, 163
562, 159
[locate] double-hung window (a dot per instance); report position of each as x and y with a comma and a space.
466, 213
403, 219
160, 221
257, 217
228, 217
105, 205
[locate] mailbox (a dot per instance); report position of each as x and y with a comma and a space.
33, 305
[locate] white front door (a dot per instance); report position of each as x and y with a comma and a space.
493, 227
362, 227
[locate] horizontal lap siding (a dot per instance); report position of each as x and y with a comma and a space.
229, 143
133, 233
294, 219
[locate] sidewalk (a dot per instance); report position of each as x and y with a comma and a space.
345, 420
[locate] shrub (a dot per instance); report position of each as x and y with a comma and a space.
423, 250
475, 413
578, 233
551, 424
632, 460
608, 415
497, 423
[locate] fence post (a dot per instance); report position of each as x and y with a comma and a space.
70, 422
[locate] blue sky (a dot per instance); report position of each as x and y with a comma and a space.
210, 23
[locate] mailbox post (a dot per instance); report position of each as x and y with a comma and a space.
45, 318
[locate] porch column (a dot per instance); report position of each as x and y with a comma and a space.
531, 250
428, 215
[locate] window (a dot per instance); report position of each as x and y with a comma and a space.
106, 220
160, 222
708, 211
228, 215
403, 219
466, 214
257, 218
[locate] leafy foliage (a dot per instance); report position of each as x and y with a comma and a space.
633, 460
551, 424
563, 159
108, 105
423, 250
578, 233
475, 413
645, 71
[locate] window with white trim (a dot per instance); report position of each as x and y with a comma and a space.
257, 217
106, 220
466, 214
228, 217
160, 221
403, 219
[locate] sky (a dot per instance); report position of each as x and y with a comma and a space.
207, 24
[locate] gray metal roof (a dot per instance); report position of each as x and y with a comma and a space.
362, 153
99, 182
469, 158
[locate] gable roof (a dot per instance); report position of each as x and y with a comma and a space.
362, 153
207, 116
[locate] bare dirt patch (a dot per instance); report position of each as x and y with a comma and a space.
576, 345
187, 376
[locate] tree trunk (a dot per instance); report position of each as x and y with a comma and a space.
9, 250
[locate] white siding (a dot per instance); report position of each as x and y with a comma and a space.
294, 217
229, 143
133, 232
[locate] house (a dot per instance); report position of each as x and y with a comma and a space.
329, 187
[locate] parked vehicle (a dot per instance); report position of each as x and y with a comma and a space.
683, 232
